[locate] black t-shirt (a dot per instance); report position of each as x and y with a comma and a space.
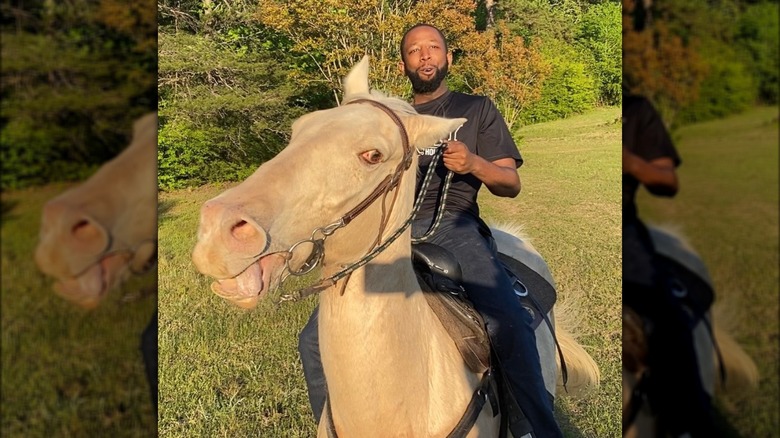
645, 135
485, 134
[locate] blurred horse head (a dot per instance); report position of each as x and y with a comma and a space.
95, 234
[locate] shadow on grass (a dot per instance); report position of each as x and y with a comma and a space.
563, 416
163, 209
6, 209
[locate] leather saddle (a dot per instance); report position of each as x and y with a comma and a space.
440, 277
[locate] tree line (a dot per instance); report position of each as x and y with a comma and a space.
230, 76
75, 75
233, 75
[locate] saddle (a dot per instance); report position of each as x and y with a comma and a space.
439, 275
686, 274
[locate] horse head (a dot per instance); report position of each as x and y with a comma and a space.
94, 234
335, 162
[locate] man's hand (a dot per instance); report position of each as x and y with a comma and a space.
658, 175
500, 176
458, 158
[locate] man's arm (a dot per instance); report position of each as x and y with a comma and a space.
500, 176
658, 175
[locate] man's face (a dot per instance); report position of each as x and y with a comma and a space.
425, 60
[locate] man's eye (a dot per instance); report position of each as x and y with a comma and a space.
371, 157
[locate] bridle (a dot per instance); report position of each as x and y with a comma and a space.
133, 266
389, 183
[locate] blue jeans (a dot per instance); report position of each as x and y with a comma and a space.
491, 292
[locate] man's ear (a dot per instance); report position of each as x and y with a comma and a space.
401, 67
449, 57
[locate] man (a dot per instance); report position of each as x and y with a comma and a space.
650, 159
484, 153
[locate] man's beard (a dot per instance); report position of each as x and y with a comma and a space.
421, 86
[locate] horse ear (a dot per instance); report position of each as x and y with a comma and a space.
425, 131
356, 81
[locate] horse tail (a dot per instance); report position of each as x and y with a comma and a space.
741, 370
582, 370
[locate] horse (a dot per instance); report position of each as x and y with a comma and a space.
726, 368
94, 234
341, 192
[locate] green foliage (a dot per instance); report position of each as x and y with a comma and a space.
729, 88
600, 35
700, 59
224, 108
759, 35
75, 76
570, 89
582, 43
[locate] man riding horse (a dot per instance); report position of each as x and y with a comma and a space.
481, 152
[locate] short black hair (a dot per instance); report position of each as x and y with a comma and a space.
403, 39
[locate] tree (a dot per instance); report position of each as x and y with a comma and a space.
659, 64
499, 64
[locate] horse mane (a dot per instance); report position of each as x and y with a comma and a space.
399, 106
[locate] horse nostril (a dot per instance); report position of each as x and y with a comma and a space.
243, 230
84, 230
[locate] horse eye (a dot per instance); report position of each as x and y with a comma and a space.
372, 157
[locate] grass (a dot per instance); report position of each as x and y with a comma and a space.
229, 372
728, 209
67, 372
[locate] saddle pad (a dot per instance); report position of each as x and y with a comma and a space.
464, 324
536, 294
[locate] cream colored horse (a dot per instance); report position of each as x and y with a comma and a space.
741, 371
94, 234
391, 368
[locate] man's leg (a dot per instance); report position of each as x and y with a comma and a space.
149, 353
508, 324
309, 349
677, 393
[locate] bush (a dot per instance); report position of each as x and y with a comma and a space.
569, 89
600, 37
728, 88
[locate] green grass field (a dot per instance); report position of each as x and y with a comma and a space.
67, 372
728, 208
229, 372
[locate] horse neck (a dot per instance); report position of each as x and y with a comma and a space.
386, 357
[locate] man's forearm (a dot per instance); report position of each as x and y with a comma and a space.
498, 177
659, 176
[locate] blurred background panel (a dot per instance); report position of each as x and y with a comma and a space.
711, 70
75, 76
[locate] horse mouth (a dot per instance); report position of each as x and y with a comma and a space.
246, 288
91, 286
